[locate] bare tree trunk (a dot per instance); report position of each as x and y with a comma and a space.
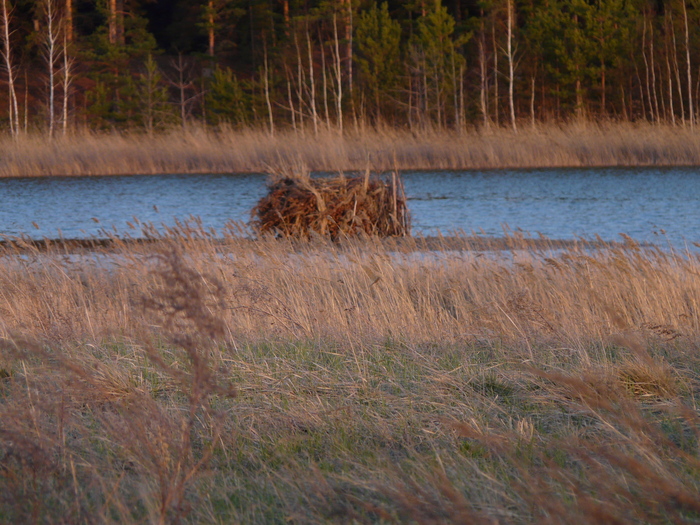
7, 56
339, 75
603, 88
120, 22
641, 90
67, 81
267, 93
291, 100
410, 100
300, 81
677, 69
697, 93
285, 16
348, 45
532, 99
325, 83
462, 112
483, 87
495, 75
50, 48
672, 111
579, 96
26, 102
579, 92
455, 94
211, 35
511, 67
426, 93
653, 72
438, 97
181, 88
112, 22
68, 21
650, 99
312, 82
691, 110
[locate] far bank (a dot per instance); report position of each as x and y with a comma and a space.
204, 151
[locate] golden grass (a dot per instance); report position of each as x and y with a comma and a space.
197, 381
199, 150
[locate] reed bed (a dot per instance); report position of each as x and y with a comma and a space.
195, 380
199, 150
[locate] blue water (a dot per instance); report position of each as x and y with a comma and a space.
649, 204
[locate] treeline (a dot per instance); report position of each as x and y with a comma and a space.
310, 65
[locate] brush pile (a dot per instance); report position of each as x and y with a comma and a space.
336, 207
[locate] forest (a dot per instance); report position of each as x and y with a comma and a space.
318, 65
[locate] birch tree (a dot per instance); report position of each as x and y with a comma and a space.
6, 14
52, 55
510, 53
66, 80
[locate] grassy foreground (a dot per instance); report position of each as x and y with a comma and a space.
192, 381
202, 151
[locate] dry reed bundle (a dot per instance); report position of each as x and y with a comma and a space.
336, 207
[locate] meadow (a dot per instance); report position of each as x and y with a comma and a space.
198, 380
200, 150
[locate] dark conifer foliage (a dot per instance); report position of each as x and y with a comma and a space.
318, 64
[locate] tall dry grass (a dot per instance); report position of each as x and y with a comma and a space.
192, 380
200, 150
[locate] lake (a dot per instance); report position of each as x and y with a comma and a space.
649, 204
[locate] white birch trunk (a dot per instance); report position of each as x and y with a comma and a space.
691, 111
312, 84
653, 73
291, 101
267, 96
677, 69
325, 86
338, 73
511, 66
67, 80
495, 75
483, 87
671, 109
51, 39
7, 58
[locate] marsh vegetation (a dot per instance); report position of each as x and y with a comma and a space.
199, 150
191, 380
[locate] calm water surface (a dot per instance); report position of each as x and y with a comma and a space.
558, 203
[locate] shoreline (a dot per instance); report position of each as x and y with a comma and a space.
354, 170
197, 150
407, 244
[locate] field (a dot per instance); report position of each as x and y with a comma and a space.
198, 150
192, 380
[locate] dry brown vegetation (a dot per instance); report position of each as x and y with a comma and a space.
337, 207
199, 150
192, 380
